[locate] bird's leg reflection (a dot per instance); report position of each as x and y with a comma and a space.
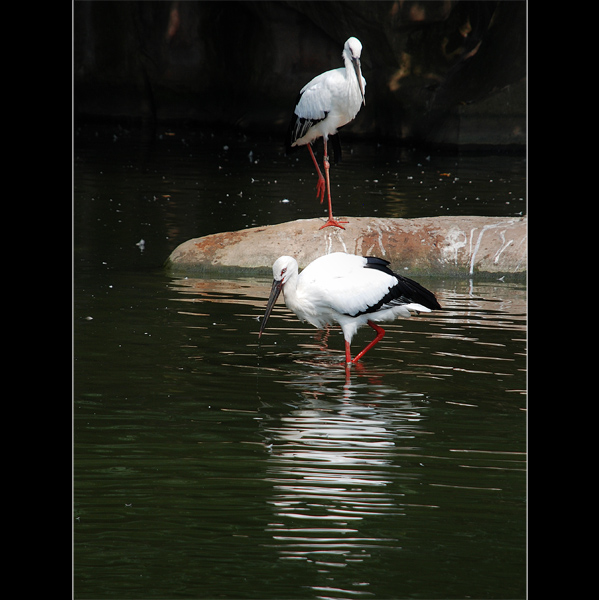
322, 337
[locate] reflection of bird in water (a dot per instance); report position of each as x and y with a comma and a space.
329, 101
347, 289
331, 464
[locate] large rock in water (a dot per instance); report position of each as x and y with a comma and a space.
440, 246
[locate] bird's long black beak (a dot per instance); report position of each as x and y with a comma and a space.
277, 286
358, 70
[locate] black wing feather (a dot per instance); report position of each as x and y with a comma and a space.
405, 291
299, 126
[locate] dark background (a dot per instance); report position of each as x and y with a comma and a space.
438, 73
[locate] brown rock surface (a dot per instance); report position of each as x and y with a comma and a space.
440, 246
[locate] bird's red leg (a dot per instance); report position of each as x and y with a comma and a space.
331, 222
347, 353
320, 186
380, 333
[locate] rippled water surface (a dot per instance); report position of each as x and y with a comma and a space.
211, 464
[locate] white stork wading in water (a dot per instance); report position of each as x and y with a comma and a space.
347, 289
325, 104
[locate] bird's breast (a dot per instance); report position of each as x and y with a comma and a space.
309, 306
345, 109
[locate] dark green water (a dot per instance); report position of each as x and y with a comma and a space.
207, 465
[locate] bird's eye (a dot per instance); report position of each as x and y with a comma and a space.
283, 271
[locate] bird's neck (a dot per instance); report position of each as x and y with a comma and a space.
290, 291
352, 78
349, 67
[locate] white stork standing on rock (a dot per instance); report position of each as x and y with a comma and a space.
347, 289
329, 101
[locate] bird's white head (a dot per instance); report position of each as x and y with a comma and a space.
354, 47
352, 50
283, 268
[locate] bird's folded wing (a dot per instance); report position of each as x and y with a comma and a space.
369, 290
316, 97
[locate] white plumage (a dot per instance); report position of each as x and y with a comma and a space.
347, 289
325, 104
